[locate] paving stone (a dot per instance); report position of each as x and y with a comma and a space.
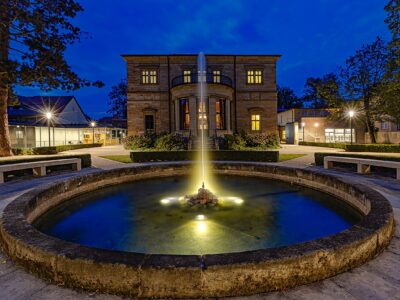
19, 285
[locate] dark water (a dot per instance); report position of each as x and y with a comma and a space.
130, 217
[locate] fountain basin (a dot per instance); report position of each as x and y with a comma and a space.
182, 276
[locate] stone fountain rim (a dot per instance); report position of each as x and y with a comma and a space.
50, 257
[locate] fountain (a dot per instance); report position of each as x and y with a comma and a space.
204, 197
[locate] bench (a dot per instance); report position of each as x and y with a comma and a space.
39, 167
363, 165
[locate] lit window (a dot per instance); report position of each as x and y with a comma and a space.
184, 114
220, 113
217, 76
19, 134
149, 76
254, 76
187, 76
255, 122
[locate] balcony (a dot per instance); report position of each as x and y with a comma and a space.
195, 78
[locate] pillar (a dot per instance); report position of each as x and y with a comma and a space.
193, 115
211, 115
176, 108
228, 115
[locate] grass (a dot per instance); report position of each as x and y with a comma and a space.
126, 159
285, 156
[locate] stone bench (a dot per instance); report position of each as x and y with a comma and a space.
363, 164
39, 167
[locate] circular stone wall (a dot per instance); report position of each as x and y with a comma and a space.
184, 276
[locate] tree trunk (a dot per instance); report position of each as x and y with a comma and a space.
5, 143
370, 128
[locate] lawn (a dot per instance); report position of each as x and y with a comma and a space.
285, 156
126, 158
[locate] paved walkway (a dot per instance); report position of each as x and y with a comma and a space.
377, 279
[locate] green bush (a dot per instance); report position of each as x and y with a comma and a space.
141, 142
233, 142
85, 158
219, 155
328, 145
319, 157
22, 151
44, 150
394, 148
171, 142
247, 141
261, 140
62, 148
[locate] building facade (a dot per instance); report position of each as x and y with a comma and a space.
162, 93
68, 125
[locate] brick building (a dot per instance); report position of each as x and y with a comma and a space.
162, 93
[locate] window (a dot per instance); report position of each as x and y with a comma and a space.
149, 123
187, 76
149, 76
19, 134
184, 118
255, 122
254, 76
220, 113
216, 76
339, 135
203, 109
385, 125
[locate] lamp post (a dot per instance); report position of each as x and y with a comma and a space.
93, 124
49, 115
302, 127
351, 115
316, 124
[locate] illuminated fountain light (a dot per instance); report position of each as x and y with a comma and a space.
169, 200
236, 200
200, 217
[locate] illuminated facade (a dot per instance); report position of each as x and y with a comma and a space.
163, 94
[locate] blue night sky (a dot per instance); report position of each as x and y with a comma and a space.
314, 37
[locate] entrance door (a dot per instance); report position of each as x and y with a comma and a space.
202, 117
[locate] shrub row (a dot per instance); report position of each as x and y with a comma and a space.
221, 155
319, 157
86, 159
162, 142
394, 148
243, 141
328, 145
52, 150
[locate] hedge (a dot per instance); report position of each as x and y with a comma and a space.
61, 148
319, 157
328, 145
221, 155
394, 148
86, 159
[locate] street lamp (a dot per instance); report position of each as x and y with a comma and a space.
49, 115
316, 124
93, 124
302, 127
351, 115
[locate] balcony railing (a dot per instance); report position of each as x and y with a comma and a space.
208, 78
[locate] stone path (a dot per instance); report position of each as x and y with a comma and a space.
377, 279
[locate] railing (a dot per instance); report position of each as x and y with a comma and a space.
209, 78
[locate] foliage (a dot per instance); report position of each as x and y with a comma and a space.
319, 157
323, 92
117, 102
287, 99
391, 88
261, 140
327, 145
171, 142
22, 151
232, 142
141, 142
362, 78
86, 160
53, 149
245, 141
219, 155
34, 36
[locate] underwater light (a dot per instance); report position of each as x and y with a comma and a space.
200, 217
165, 201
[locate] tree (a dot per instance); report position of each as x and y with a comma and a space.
287, 99
33, 38
323, 92
117, 102
362, 77
390, 91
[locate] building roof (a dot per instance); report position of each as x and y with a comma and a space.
30, 110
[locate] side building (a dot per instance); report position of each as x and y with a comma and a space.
163, 96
